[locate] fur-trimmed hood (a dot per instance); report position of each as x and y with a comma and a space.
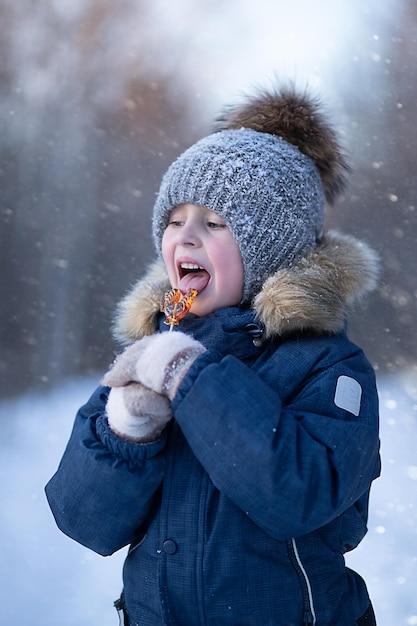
314, 294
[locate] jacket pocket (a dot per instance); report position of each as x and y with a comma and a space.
135, 544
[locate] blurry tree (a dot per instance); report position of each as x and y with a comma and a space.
381, 204
89, 123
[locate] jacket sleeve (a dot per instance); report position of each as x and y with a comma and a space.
275, 440
104, 486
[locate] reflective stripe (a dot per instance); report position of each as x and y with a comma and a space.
310, 593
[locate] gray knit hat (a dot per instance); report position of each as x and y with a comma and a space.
267, 172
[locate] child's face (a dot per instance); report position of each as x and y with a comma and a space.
200, 252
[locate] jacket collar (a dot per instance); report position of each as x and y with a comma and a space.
227, 330
312, 295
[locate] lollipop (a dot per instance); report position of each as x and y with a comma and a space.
176, 304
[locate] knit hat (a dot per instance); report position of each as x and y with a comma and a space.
267, 171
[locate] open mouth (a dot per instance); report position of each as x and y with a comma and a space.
192, 276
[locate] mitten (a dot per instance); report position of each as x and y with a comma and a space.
137, 413
159, 362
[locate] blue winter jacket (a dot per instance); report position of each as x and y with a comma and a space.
241, 512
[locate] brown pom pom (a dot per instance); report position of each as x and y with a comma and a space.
299, 119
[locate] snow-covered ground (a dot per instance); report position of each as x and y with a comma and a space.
47, 579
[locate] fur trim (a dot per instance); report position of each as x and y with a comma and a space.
137, 312
299, 119
313, 294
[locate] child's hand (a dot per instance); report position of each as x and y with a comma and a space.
137, 413
159, 362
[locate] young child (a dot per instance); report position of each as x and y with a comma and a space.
235, 455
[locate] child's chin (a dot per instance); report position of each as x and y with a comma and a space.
200, 311
207, 305
203, 306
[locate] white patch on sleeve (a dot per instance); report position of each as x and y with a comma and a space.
348, 394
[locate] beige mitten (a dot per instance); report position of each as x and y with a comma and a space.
159, 362
137, 413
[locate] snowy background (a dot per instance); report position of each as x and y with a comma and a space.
47, 579
95, 96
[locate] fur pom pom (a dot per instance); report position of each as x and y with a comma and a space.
299, 119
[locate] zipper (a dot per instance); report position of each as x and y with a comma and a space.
120, 607
309, 615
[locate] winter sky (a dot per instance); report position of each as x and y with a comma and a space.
227, 47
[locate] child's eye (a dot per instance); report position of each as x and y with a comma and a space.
216, 225
175, 223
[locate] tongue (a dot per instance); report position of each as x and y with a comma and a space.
194, 280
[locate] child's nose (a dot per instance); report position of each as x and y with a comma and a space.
188, 235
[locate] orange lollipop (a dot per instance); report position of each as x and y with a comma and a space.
176, 304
